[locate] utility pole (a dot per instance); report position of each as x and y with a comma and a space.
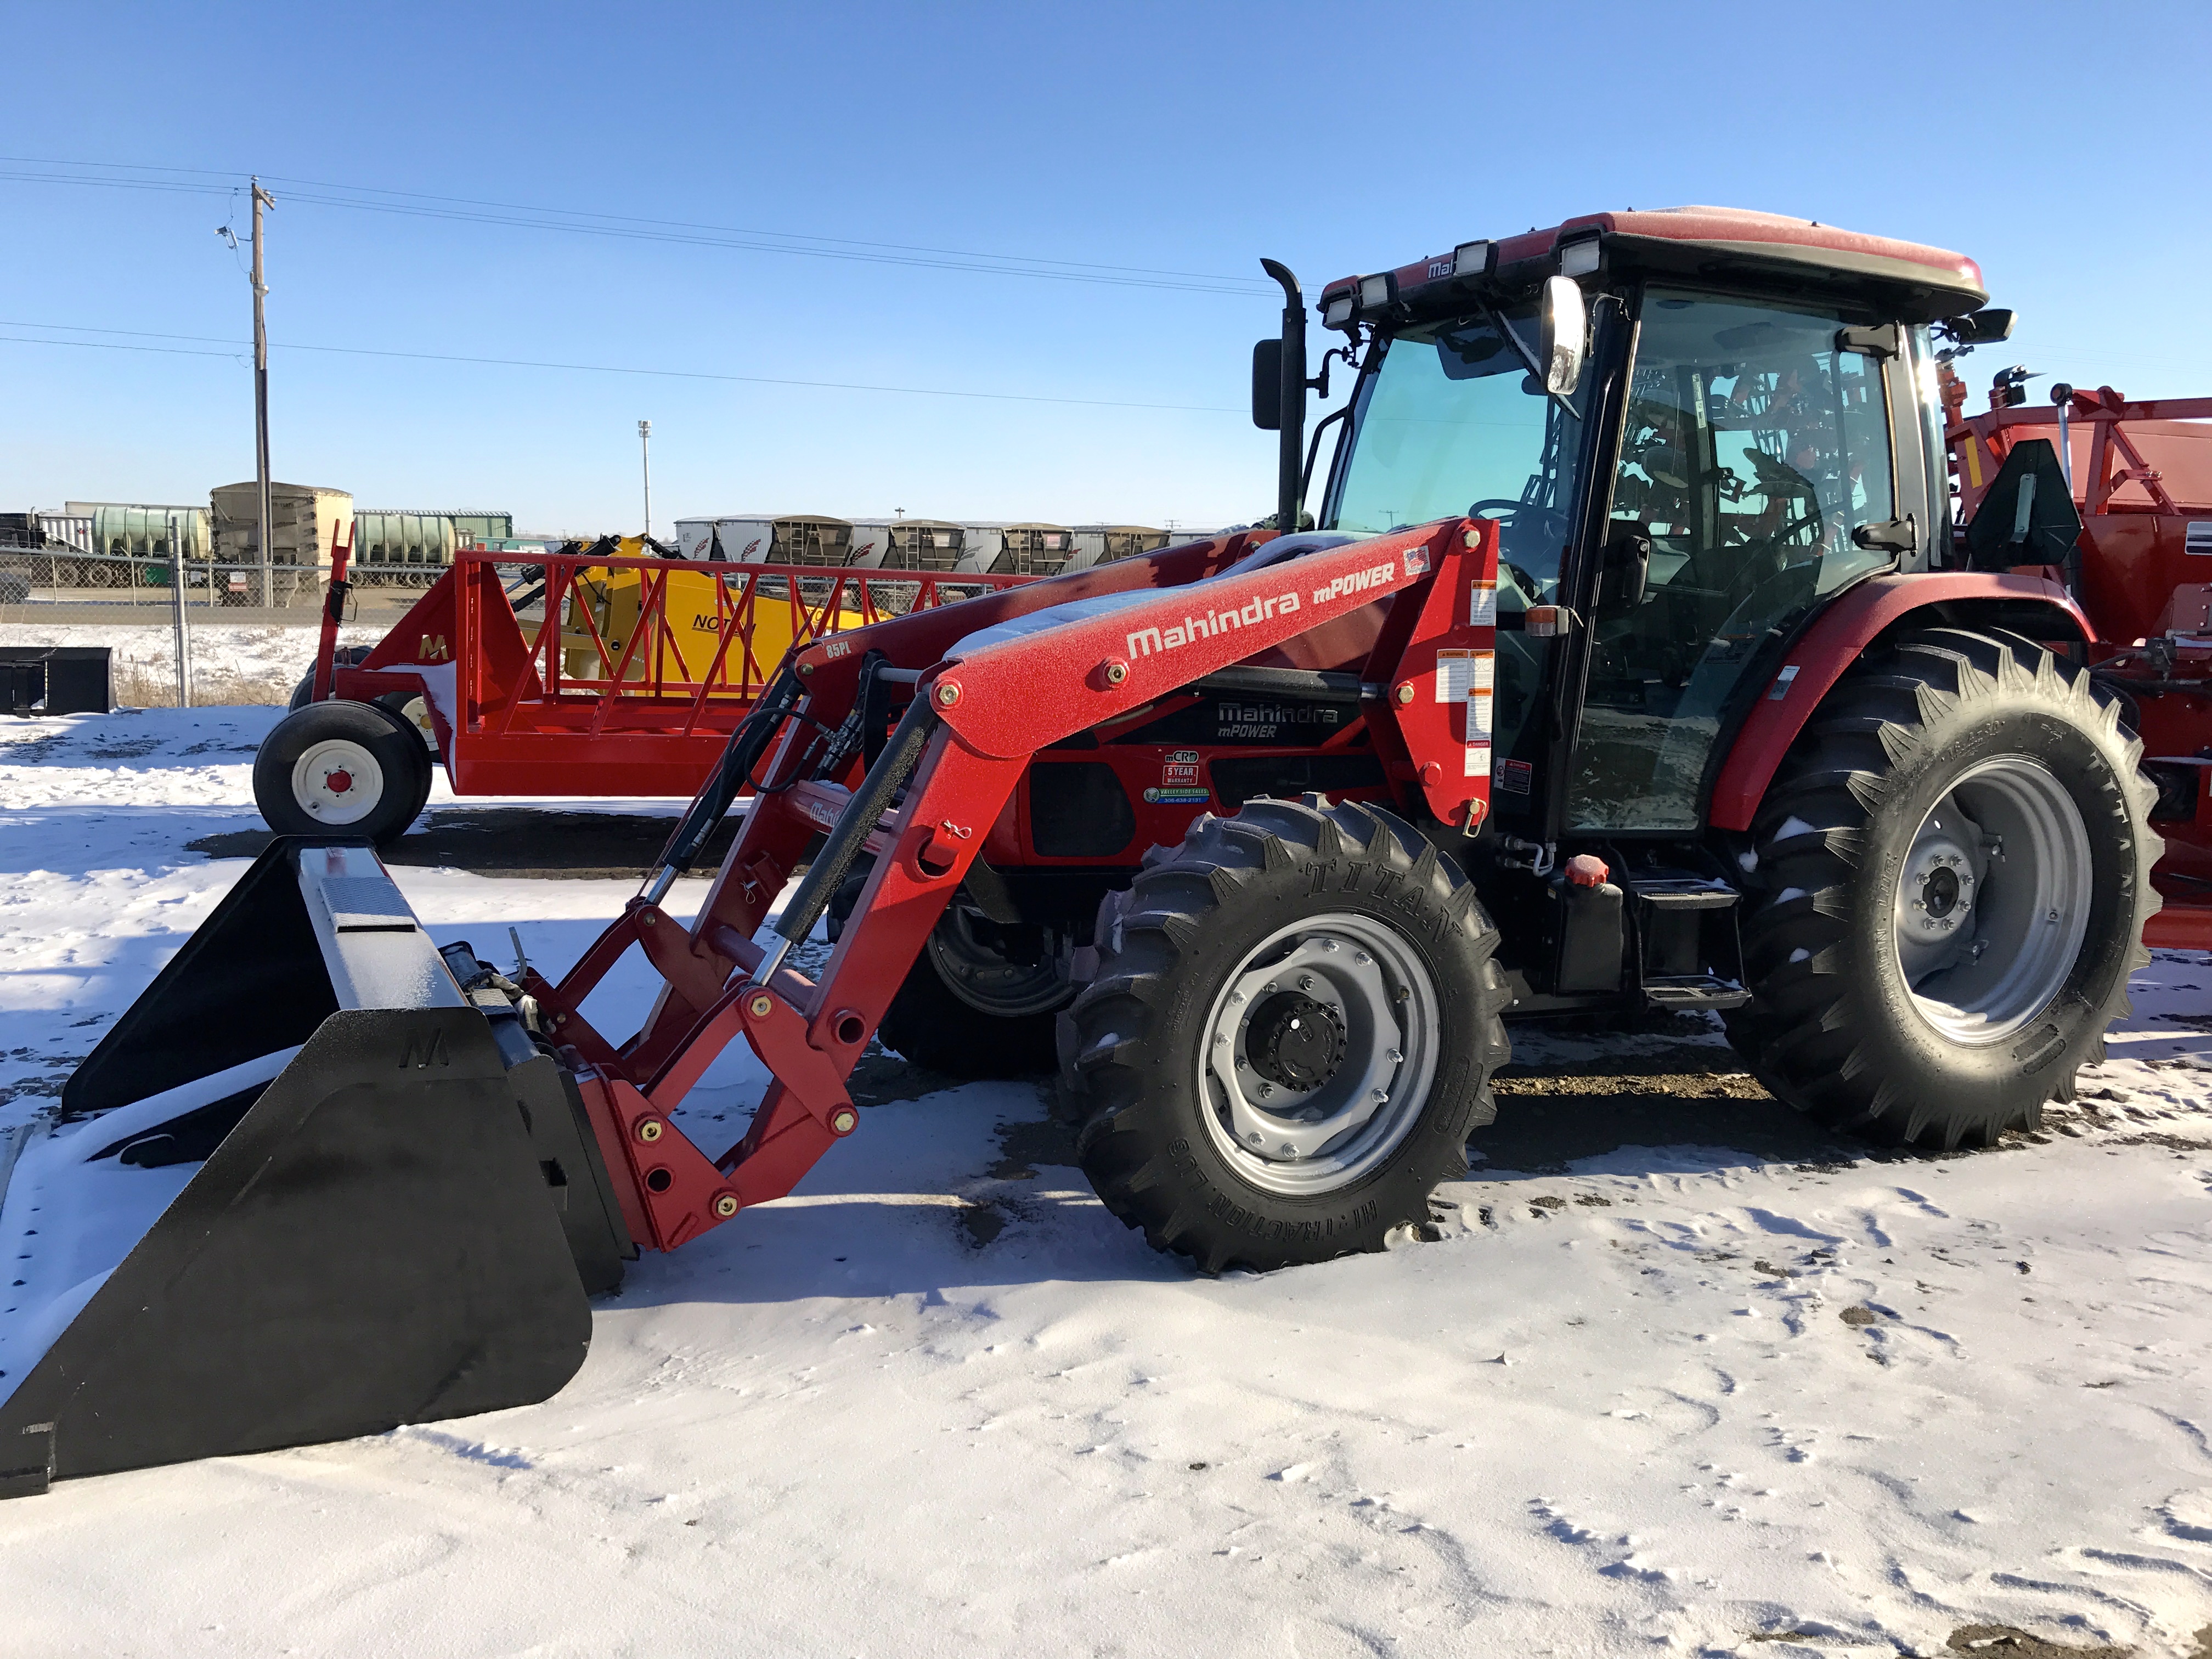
644, 460
261, 198
177, 603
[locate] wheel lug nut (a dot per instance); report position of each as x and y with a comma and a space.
1305, 981
1380, 1095
1363, 958
1396, 1058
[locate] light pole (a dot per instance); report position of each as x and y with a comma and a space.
644, 460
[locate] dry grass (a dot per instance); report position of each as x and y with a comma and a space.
138, 685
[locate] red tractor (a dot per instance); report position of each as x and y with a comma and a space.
1633, 666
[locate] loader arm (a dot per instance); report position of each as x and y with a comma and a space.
991, 697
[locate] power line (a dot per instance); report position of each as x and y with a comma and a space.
236, 346
624, 227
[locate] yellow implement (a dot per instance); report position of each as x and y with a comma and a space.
686, 624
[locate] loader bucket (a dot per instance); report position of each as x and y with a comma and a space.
308, 1187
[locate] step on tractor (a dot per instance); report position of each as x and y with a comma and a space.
1633, 667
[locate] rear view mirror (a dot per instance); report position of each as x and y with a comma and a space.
1268, 385
1984, 327
1566, 338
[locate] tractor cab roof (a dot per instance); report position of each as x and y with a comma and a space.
1905, 280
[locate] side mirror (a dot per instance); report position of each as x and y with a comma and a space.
1988, 326
1268, 385
1564, 341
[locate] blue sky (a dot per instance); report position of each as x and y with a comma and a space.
2058, 149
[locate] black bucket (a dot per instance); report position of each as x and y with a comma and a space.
308, 1188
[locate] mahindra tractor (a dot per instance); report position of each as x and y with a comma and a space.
1632, 668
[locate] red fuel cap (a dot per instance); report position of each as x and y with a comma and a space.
1586, 870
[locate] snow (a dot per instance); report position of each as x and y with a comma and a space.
260, 664
1671, 1374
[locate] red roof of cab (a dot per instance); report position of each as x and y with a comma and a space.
1738, 225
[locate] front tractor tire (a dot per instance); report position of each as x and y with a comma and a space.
351, 768
1953, 875
980, 1000
1291, 1030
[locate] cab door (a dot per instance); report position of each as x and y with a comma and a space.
1753, 477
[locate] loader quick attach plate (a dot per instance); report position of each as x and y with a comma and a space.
387, 1235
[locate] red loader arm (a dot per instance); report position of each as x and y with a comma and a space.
995, 680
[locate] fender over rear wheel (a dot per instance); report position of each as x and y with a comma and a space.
340, 768
1293, 1027
1954, 872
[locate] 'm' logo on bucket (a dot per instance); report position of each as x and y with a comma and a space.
421, 1051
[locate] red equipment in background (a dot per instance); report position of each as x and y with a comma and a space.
528, 695
2140, 473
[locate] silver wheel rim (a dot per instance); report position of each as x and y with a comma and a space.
417, 713
1358, 984
1993, 903
985, 980
336, 782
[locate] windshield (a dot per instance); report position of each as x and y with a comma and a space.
1449, 424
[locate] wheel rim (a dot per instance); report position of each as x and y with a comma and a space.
1319, 1052
984, 978
1993, 903
337, 781
417, 713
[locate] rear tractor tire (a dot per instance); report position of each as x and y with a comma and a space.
1293, 1028
1954, 872
345, 768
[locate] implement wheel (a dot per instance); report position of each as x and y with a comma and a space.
1292, 1029
1954, 872
342, 768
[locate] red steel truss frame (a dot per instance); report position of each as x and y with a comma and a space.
510, 720
984, 703
2148, 607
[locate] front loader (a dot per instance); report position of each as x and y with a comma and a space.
1629, 673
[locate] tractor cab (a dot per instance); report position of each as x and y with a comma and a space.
1752, 429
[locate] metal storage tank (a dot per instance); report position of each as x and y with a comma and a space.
1102, 544
139, 530
872, 539
471, 526
923, 545
301, 518
810, 538
1035, 549
390, 536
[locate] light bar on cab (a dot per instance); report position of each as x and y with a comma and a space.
1471, 260
1579, 257
1377, 291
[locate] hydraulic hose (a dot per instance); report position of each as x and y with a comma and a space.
739, 757
855, 823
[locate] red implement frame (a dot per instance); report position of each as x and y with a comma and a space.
985, 702
510, 720
2141, 478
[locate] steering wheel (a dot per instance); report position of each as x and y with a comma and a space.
1525, 519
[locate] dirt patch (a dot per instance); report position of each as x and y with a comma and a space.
2003, 1642
1023, 1146
1548, 1119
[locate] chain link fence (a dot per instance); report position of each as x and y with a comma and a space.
59, 576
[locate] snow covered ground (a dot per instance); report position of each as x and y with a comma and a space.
1673, 1373
232, 662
